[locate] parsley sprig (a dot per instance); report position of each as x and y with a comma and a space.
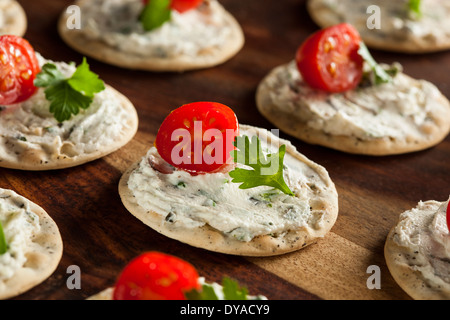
230, 288
68, 95
377, 74
155, 14
3, 244
263, 172
414, 8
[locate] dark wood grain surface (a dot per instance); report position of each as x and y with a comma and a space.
101, 237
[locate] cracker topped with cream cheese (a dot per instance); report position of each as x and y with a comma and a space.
390, 25
211, 212
31, 138
33, 244
417, 251
401, 116
111, 31
13, 19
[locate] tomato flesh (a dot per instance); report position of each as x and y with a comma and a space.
156, 276
328, 60
18, 69
185, 5
198, 137
182, 5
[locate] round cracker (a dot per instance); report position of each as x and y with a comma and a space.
111, 55
206, 237
43, 255
34, 159
325, 16
18, 24
296, 126
407, 275
106, 294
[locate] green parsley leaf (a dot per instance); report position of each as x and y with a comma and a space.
3, 244
68, 95
65, 101
232, 290
206, 293
377, 75
155, 14
48, 76
414, 8
85, 81
249, 153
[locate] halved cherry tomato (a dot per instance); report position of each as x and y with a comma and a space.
156, 276
198, 137
182, 5
185, 5
18, 69
328, 60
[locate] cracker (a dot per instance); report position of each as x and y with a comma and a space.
324, 204
292, 117
326, 13
106, 294
101, 51
16, 23
43, 255
37, 159
410, 264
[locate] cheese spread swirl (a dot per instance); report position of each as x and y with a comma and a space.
397, 23
19, 225
424, 231
192, 201
30, 125
401, 109
116, 22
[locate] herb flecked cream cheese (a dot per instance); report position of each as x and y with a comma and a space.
192, 201
398, 25
116, 22
19, 225
397, 110
424, 231
30, 125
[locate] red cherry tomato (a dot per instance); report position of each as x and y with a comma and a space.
328, 60
198, 137
185, 5
182, 5
18, 69
156, 276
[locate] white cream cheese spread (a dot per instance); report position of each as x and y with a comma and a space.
396, 110
30, 125
396, 20
192, 201
19, 225
423, 230
116, 22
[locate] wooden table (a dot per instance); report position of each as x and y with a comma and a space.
101, 237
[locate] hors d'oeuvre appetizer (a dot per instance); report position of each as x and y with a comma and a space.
417, 251
236, 189
30, 244
159, 276
55, 115
336, 95
410, 26
13, 19
155, 35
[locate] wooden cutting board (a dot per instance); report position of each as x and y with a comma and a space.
101, 237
